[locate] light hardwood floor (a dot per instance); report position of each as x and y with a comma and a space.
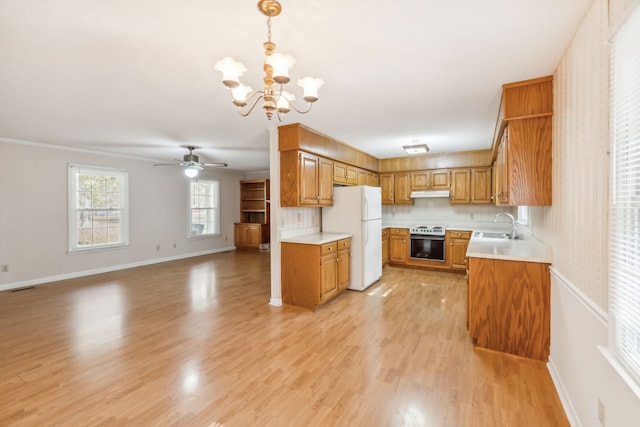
195, 343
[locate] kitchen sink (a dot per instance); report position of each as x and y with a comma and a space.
492, 235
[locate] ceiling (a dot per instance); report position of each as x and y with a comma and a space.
136, 78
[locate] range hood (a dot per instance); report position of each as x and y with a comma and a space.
430, 193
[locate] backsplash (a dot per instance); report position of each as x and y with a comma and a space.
439, 211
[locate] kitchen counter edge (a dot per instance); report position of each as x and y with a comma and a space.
316, 238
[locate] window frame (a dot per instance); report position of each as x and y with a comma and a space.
624, 331
216, 209
73, 172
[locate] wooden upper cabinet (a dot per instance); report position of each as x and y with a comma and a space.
402, 189
305, 179
386, 187
372, 179
339, 173
437, 179
461, 187
481, 186
527, 98
345, 174
362, 177
523, 144
309, 178
325, 182
524, 163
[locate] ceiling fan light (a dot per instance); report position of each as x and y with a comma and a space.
191, 171
310, 86
281, 63
231, 71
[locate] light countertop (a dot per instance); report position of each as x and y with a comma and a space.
316, 238
527, 249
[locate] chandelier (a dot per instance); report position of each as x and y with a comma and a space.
276, 75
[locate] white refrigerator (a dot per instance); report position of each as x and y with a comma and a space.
358, 210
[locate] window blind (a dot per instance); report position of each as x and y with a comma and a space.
624, 241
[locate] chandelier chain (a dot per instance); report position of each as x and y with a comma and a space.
269, 28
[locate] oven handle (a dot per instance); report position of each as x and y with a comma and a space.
422, 237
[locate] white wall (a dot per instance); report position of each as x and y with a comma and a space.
33, 215
576, 227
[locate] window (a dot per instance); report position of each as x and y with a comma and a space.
523, 215
204, 209
98, 208
624, 238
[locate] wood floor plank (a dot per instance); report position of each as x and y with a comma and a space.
195, 343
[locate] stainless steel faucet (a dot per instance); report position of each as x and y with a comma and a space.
514, 230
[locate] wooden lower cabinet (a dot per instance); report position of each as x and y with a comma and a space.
314, 274
398, 245
385, 246
249, 235
509, 306
457, 242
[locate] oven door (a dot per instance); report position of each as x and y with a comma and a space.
427, 247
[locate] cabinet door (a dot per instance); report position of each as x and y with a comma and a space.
344, 268
372, 179
325, 182
239, 235
458, 253
386, 186
398, 249
420, 180
440, 179
460, 193
328, 276
308, 179
339, 173
402, 189
352, 175
253, 235
502, 171
481, 186
385, 250
362, 177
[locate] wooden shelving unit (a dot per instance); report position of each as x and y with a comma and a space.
253, 228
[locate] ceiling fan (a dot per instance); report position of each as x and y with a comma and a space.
191, 163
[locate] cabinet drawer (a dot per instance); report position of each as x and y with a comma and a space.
399, 231
344, 244
455, 234
329, 248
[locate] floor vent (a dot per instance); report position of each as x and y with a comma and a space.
22, 289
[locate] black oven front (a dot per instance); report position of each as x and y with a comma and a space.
427, 247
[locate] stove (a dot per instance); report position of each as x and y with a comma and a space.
427, 230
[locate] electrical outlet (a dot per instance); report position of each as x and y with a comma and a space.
601, 412
174, 246
4, 268
158, 248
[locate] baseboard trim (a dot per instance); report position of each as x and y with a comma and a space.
74, 275
565, 399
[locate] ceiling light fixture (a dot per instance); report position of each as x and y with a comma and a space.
192, 170
416, 148
276, 70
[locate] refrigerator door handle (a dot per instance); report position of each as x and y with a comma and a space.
365, 212
366, 237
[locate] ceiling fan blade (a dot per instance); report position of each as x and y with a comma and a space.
167, 164
217, 165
